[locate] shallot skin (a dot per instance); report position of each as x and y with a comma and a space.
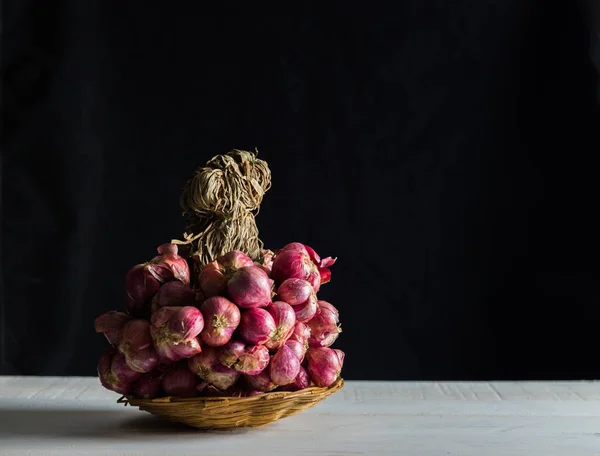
284, 366
256, 326
324, 366
222, 319
250, 287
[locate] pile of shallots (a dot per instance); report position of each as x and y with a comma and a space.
237, 329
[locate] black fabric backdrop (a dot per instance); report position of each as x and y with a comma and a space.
442, 150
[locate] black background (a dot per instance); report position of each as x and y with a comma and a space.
444, 151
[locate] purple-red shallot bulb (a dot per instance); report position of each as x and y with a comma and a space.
144, 360
331, 308
148, 386
222, 319
214, 276
230, 352
135, 336
284, 366
324, 328
294, 291
206, 365
253, 360
114, 373
179, 382
324, 366
142, 282
136, 345
295, 264
256, 326
307, 310
298, 348
176, 266
111, 324
323, 264
267, 262
301, 381
301, 333
260, 382
250, 287
341, 355
174, 331
175, 294
285, 319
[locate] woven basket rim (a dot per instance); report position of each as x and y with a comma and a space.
337, 385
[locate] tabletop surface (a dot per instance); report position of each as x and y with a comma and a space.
75, 415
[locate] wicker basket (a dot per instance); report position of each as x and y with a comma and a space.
233, 412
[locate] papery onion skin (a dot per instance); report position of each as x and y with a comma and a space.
324, 329
290, 264
294, 291
323, 366
176, 265
256, 326
148, 386
176, 351
206, 365
214, 276
341, 355
327, 305
222, 319
135, 336
145, 360
114, 374
250, 287
285, 318
298, 348
111, 324
175, 294
301, 333
307, 310
142, 282
179, 382
230, 352
260, 382
284, 366
253, 360
186, 323
301, 381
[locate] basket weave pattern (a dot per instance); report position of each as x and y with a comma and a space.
232, 412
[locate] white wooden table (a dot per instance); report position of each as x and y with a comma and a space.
74, 415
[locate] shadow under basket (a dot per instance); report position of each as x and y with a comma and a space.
233, 412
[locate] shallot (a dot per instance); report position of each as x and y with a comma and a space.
114, 373
298, 348
179, 382
307, 310
174, 331
111, 324
230, 352
253, 360
294, 291
324, 366
260, 382
250, 287
175, 293
284, 366
324, 328
148, 385
222, 319
289, 264
256, 326
206, 365
285, 319
301, 381
214, 276
176, 266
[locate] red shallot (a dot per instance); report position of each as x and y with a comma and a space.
222, 319
250, 287
284, 366
324, 366
256, 326
285, 319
